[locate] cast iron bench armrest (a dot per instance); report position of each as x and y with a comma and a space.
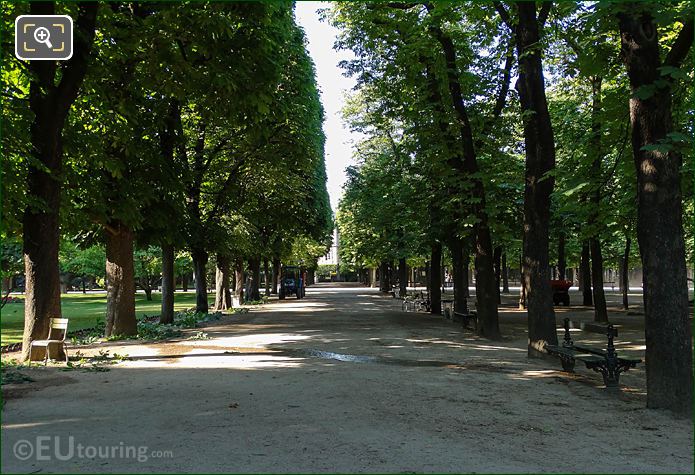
607, 362
566, 354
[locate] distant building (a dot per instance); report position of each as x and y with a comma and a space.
332, 257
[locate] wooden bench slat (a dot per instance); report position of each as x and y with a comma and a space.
564, 350
589, 349
593, 327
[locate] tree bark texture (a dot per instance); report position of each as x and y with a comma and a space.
460, 275
600, 311
223, 295
436, 279
266, 276
505, 274
585, 275
402, 276
120, 277
384, 283
497, 257
561, 259
540, 160
200, 261
625, 274
276, 275
254, 279
168, 284
465, 163
50, 105
596, 151
659, 211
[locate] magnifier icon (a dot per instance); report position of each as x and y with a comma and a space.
42, 35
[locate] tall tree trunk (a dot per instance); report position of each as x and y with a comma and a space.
428, 272
465, 268
168, 284
668, 335
239, 279
402, 276
540, 160
276, 275
50, 104
497, 257
266, 275
585, 275
200, 261
436, 278
120, 275
442, 278
460, 275
600, 311
561, 260
148, 291
384, 284
184, 282
465, 163
522, 284
505, 274
390, 271
595, 149
223, 296
254, 279
625, 274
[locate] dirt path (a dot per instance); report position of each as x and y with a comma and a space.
340, 382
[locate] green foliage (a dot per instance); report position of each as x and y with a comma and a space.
148, 267
89, 261
11, 257
10, 372
197, 125
98, 363
85, 311
406, 191
153, 331
402, 193
263, 300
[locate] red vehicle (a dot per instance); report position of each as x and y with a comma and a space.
561, 291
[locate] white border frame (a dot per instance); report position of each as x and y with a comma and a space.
72, 34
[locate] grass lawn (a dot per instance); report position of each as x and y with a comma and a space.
83, 310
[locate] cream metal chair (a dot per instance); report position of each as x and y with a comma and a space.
56, 337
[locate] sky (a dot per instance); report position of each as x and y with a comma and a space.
333, 86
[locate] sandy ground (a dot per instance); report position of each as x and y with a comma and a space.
398, 392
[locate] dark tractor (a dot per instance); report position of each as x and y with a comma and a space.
291, 282
561, 293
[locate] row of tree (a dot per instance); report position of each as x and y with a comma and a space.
193, 127
504, 131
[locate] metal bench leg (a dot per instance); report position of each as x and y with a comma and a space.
567, 364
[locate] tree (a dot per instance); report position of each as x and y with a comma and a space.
53, 89
11, 264
540, 161
438, 122
148, 266
659, 212
84, 261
